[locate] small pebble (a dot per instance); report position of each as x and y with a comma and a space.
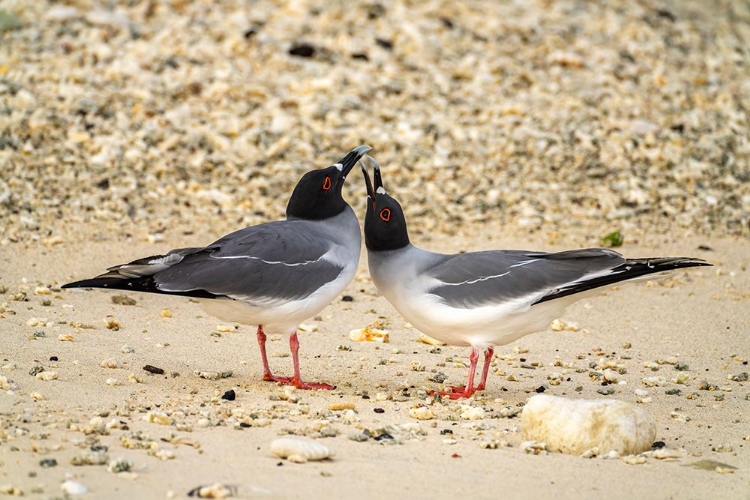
422, 413
216, 490
123, 300
338, 406
109, 363
111, 323
71, 487
9, 489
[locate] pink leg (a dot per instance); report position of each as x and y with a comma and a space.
267, 375
485, 371
296, 381
458, 392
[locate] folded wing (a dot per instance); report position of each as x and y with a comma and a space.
269, 262
486, 278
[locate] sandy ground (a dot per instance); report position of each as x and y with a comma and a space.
130, 128
699, 318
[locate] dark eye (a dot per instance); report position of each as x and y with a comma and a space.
327, 184
385, 214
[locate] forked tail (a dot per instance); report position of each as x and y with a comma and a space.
632, 269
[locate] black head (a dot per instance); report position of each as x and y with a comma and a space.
385, 224
317, 195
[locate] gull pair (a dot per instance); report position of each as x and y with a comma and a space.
276, 275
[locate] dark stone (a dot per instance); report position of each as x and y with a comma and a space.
383, 43
302, 50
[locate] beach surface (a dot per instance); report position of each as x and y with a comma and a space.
129, 129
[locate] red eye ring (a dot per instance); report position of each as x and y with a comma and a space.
385, 214
327, 184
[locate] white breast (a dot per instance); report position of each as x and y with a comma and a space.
396, 276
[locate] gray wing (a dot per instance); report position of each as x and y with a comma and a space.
485, 278
278, 260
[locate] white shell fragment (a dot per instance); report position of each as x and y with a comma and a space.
46, 375
469, 412
300, 450
575, 425
425, 339
158, 417
71, 487
212, 375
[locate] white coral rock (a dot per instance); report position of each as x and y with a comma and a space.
574, 426
300, 450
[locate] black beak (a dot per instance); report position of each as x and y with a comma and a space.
351, 159
368, 182
378, 179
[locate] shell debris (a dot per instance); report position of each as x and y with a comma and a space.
469, 412
109, 363
426, 339
370, 333
342, 405
534, 447
71, 487
422, 413
45, 375
216, 490
300, 450
9, 489
111, 323
212, 375
158, 417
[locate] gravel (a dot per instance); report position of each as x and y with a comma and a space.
516, 116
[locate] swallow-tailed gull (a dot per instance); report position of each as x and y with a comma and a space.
274, 275
490, 298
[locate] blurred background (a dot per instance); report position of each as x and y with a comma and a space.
568, 119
